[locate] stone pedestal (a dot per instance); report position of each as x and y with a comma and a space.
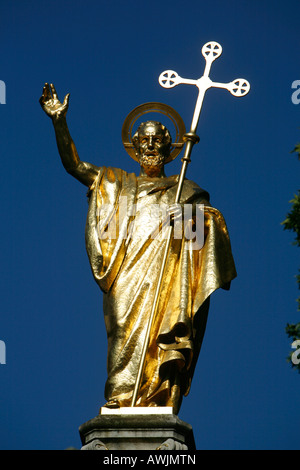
137, 429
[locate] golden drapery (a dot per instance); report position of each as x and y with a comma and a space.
127, 269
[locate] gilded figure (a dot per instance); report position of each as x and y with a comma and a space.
126, 267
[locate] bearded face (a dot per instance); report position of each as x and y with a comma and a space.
152, 143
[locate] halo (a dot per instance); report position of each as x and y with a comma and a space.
146, 108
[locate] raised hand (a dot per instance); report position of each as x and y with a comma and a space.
51, 104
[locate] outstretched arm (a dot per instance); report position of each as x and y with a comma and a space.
84, 172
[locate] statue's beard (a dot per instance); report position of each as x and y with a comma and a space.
152, 160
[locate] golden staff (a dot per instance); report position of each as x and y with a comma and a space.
168, 79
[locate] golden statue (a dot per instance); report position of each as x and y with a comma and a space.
127, 267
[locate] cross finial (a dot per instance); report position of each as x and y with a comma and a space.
210, 51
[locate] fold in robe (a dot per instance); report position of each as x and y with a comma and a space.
127, 268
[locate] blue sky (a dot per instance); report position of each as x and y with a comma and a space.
109, 55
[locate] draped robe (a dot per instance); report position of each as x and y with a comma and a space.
127, 268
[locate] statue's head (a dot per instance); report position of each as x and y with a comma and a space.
152, 143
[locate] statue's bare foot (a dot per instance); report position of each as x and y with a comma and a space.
112, 404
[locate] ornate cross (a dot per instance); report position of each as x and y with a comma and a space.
168, 79
210, 51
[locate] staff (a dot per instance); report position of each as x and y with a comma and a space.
168, 79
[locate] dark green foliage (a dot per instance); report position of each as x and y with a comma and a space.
297, 150
293, 331
292, 223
